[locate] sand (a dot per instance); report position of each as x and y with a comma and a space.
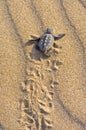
39, 93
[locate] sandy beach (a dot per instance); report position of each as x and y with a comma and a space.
39, 92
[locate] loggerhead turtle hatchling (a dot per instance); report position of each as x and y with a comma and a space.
46, 41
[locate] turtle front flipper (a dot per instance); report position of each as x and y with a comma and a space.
59, 36
32, 41
35, 38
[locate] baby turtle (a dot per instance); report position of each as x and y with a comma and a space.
46, 41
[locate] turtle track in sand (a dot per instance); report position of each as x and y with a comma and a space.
37, 102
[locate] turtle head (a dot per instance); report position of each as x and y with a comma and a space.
49, 30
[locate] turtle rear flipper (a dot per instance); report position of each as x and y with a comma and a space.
59, 36
37, 47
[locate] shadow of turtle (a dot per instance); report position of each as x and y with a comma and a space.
1, 127
36, 53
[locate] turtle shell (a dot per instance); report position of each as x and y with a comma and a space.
46, 42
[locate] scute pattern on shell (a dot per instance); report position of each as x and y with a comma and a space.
46, 42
